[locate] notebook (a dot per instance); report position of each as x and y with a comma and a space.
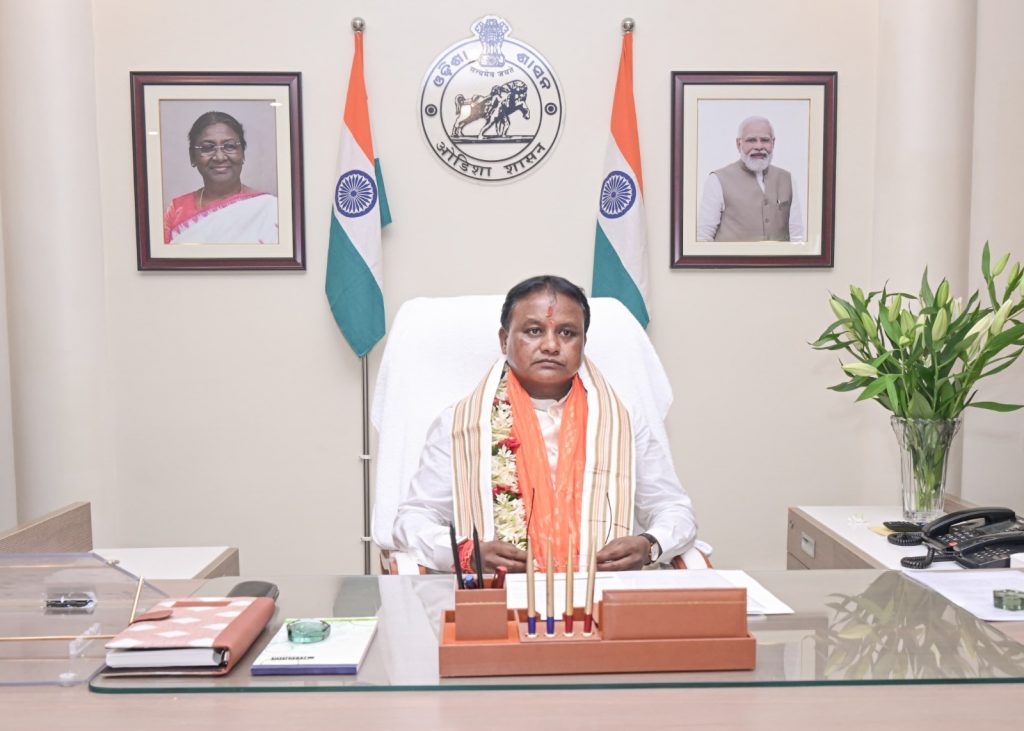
340, 653
194, 636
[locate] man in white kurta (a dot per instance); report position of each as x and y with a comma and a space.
643, 516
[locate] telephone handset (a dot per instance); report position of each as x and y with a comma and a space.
954, 537
950, 530
989, 552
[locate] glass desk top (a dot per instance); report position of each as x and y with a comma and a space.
850, 626
56, 611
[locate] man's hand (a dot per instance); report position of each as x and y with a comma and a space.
624, 554
498, 553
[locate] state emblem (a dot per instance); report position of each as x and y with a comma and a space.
491, 106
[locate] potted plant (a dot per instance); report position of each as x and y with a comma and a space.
921, 358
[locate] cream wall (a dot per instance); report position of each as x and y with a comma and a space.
993, 471
235, 401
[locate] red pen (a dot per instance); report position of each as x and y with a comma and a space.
499, 578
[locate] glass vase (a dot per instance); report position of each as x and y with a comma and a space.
924, 454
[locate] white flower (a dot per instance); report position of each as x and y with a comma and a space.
501, 423
509, 523
503, 468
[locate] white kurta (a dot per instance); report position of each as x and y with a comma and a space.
661, 508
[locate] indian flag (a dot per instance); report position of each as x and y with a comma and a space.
620, 248
354, 259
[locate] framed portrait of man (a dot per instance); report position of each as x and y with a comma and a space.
753, 169
218, 171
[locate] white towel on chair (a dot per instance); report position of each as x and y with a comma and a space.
437, 351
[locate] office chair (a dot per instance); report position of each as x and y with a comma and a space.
438, 350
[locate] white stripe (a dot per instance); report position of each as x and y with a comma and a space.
588, 475
628, 233
364, 231
484, 423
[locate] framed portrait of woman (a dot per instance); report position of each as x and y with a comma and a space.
218, 170
753, 169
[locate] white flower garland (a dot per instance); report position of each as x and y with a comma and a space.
509, 514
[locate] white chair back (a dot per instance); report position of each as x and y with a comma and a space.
439, 349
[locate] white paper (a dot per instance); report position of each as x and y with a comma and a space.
515, 586
972, 590
759, 600
168, 657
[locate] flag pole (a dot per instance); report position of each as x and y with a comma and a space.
627, 25
358, 25
365, 456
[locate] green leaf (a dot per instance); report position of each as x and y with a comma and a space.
891, 330
995, 406
926, 291
986, 259
1007, 361
894, 401
848, 386
1006, 337
919, 407
877, 386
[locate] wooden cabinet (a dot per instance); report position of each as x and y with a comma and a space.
811, 545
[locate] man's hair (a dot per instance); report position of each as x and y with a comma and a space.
751, 120
544, 283
209, 118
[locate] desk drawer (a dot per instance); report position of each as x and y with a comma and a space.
813, 548
809, 545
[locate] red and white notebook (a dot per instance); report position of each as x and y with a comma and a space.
194, 636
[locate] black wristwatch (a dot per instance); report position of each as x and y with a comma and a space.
655, 553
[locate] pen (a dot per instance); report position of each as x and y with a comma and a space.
588, 616
550, 576
531, 599
499, 578
569, 576
476, 559
455, 555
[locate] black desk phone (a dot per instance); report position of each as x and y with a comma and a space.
977, 538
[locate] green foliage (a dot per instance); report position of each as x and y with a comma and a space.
922, 357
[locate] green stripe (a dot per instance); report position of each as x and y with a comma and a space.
385, 209
356, 301
612, 280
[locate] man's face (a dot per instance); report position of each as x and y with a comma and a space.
544, 343
756, 145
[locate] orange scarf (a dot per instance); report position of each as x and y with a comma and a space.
552, 511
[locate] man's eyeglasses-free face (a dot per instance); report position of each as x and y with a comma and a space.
208, 149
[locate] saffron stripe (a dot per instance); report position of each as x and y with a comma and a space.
357, 110
624, 128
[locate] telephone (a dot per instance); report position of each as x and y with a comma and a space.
974, 538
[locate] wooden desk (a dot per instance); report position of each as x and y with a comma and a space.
789, 708
184, 562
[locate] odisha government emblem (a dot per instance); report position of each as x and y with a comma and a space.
491, 107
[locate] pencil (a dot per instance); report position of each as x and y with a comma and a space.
588, 616
531, 598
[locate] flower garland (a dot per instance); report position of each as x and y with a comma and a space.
509, 513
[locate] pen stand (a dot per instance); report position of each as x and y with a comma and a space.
635, 630
481, 614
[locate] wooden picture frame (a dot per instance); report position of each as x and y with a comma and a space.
726, 215
218, 170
